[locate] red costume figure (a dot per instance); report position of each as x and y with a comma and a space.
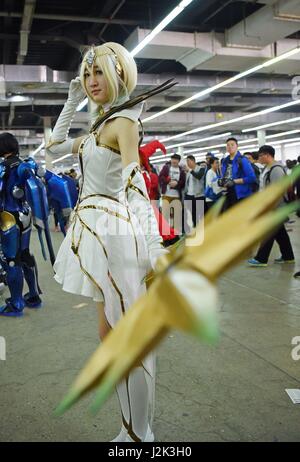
169, 234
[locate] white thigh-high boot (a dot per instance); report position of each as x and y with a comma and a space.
133, 394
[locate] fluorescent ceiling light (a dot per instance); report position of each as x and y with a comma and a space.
207, 91
206, 148
248, 143
199, 140
224, 135
286, 141
277, 135
272, 124
223, 145
159, 161
210, 148
237, 119
292, 144
250, 146
18, 99
202, 156
172, 15
61, 158
242, 142
249, 140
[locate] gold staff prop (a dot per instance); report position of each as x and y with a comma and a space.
183, 294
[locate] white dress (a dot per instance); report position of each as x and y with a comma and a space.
104, 254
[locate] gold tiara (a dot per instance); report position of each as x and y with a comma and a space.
91, 55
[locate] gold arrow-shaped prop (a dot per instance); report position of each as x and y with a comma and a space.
166, 305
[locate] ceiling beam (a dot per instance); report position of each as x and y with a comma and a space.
27, 19
58, 17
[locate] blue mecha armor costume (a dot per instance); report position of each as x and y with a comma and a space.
62, 196
23, 202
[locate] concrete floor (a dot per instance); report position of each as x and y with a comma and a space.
234, 391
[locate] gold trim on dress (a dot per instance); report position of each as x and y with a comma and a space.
103, 145
93, 233
104, 209
8, 221
85, 226
101, 195
78, 207
132, 186
52, 143
75, 249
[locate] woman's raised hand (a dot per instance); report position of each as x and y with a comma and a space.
76, 92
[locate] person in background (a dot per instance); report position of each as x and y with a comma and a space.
272, 173
194, 199
237, 175
153, 169
289, 165
298, 188
73, 175
253, 159
212, 191
208, 158
172, 183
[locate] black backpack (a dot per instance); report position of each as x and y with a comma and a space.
254, 186
289, 196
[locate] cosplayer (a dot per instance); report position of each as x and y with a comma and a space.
113, 240
183, 290
169, 234
23, 201
16, 220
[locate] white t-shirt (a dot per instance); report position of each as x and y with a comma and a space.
211, 182
174, 175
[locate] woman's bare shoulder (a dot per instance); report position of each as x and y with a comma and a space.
122, 121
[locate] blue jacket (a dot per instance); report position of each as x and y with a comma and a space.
240, 169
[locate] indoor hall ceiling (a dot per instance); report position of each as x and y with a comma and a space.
61, 29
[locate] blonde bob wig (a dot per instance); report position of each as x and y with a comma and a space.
118, 68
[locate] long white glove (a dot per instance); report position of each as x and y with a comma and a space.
59, 142
139, 202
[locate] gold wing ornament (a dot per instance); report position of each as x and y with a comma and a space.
182, 294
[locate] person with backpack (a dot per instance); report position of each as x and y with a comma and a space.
273, 172
253, 159
237, 175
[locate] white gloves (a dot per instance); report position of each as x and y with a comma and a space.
59, 142
139, 202
76, 93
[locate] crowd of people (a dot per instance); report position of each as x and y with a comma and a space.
189, 189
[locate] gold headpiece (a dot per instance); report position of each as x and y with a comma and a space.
91, 55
